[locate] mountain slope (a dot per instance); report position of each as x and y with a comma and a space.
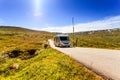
26, 55
98, 39
21, 39
18, 29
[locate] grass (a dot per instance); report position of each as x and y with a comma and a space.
25, 48
15, 39
48, 65
109, 39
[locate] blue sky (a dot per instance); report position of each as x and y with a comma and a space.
55, 15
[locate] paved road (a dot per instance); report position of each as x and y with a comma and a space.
103, 61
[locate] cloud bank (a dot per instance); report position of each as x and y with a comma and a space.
107, 23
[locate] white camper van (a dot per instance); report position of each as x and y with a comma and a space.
62, 40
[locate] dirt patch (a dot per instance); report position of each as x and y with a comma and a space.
15, 53
22, 54
32, 51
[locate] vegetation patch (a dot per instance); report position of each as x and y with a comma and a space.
26, 55
109, 39
48, 65
21, 43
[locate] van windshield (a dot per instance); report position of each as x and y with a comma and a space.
64, 38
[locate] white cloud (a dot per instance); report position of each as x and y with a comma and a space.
109, 23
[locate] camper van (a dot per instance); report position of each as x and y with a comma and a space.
62, 41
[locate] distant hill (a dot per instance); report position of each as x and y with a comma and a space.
99, 31
109, 38
21, 38
17, 29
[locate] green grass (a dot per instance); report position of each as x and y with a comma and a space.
26, 48
48, 65
21, 40
109, 39
16, 42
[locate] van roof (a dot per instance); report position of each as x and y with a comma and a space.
62, 35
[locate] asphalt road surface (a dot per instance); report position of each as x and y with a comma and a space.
103, 61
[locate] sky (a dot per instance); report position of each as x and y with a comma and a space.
56, 15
